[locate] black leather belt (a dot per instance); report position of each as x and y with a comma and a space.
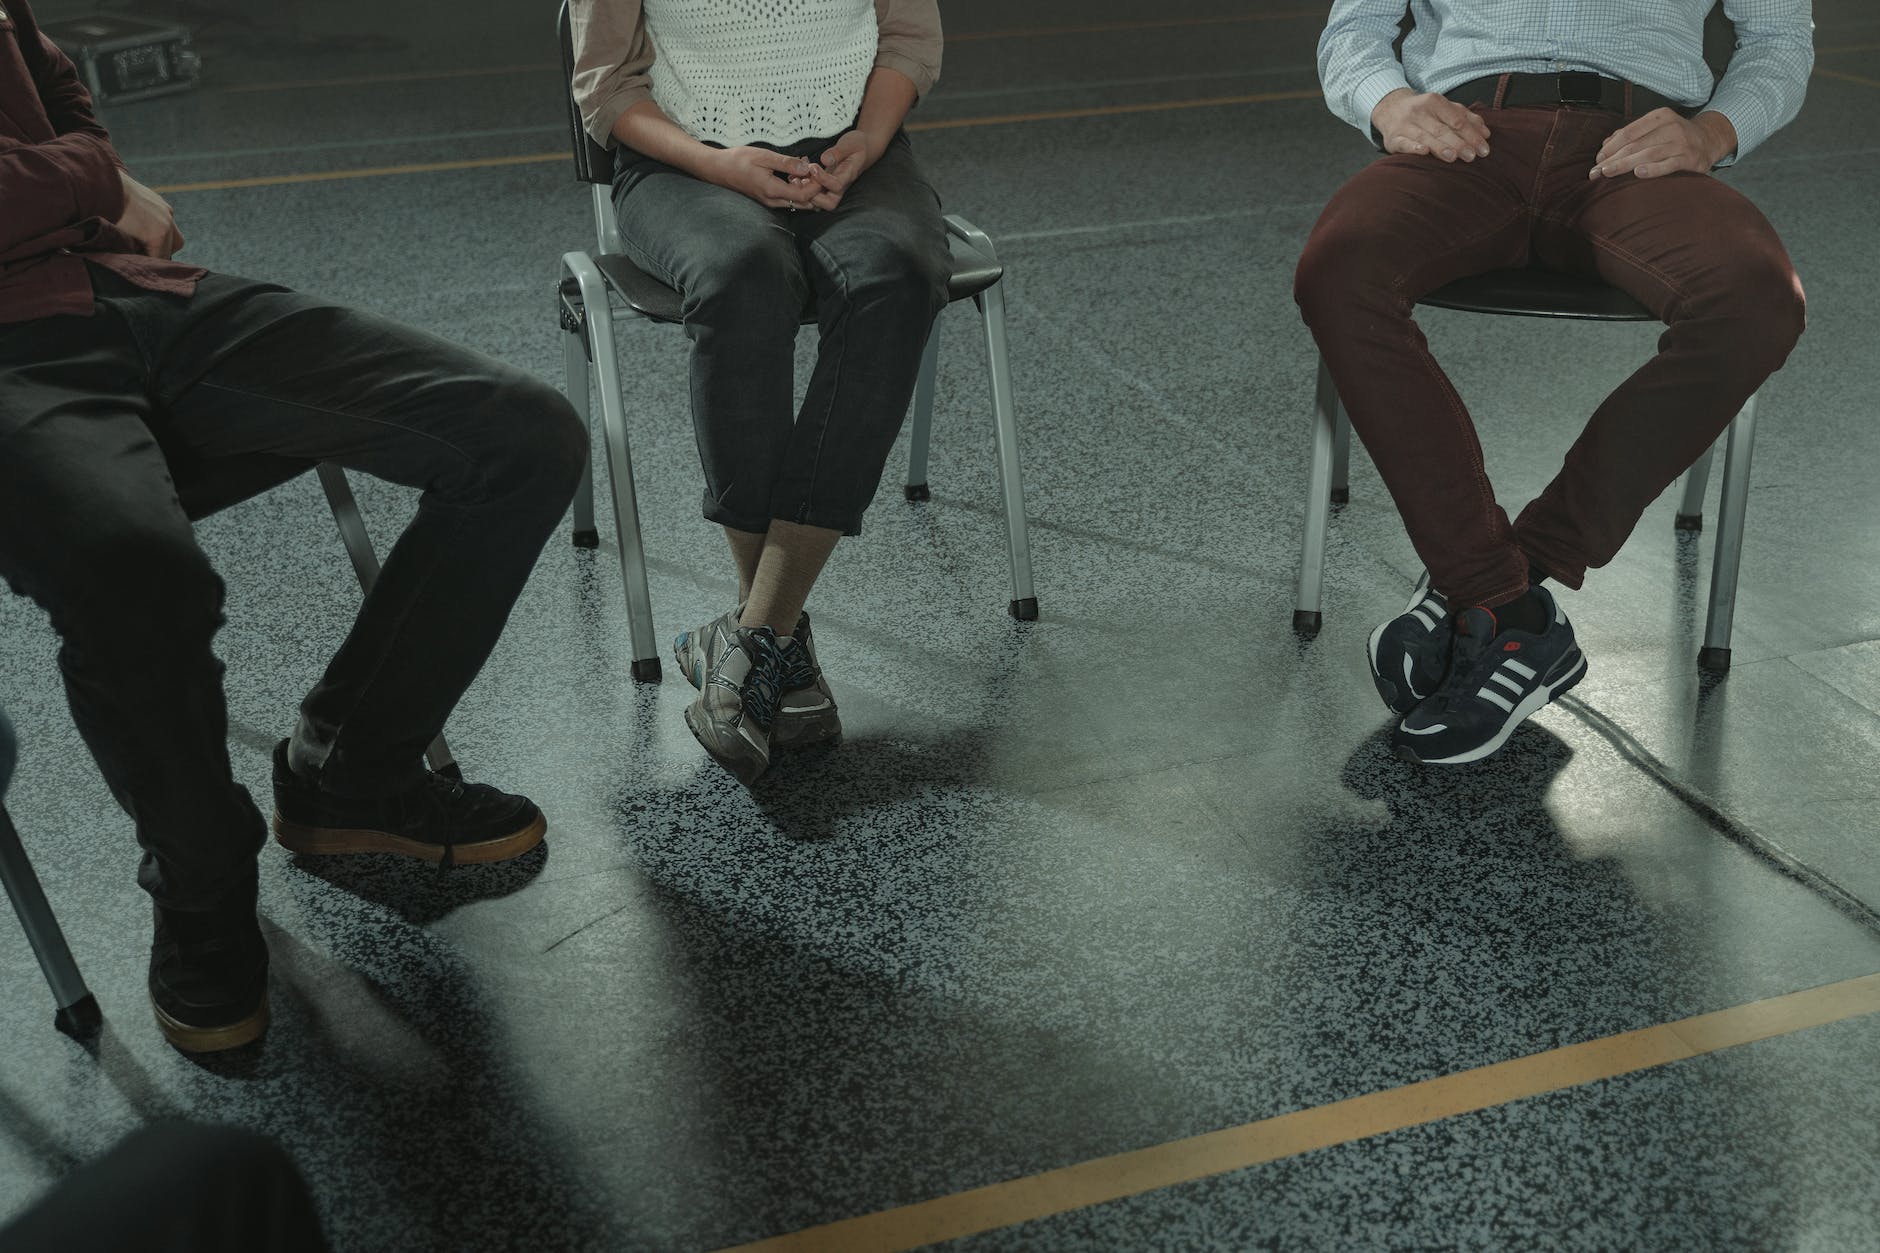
1573, 90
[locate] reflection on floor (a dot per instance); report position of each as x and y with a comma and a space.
1138, 871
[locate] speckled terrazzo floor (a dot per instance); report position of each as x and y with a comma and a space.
1140, 870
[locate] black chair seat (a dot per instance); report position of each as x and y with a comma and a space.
652, 299
1534, 293
210, 487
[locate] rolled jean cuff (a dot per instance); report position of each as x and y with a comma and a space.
758, 524
1566, 569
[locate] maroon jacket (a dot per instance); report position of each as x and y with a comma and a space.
60, 185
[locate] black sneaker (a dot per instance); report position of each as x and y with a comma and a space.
1496, 680
1410, 654
209, 976
441, 819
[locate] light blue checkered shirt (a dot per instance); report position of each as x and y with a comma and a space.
1655, 43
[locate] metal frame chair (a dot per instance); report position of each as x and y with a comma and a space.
1537, 294
77, 1014
203, 490
585, 295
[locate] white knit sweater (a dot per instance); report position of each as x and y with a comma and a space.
761, 71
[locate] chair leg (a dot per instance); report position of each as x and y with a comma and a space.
921, 434
1307, 618
365, 562
586, 534
1696, 482
991, 302
1728, 555
1341, 457
78, 1014
599, 324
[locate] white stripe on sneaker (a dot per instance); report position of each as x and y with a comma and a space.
1526, 672
1429, 623
1506, 682
1496, 698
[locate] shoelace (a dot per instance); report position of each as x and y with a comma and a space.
1467, 655
764, 685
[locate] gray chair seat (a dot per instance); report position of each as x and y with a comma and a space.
1534, 293
973, 273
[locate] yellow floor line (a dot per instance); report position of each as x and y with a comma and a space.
536, 158
1236, 1148
1847, 78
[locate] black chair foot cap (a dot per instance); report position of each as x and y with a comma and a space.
81, 1019
918, 491
1307, 622
646, 670
1341, 495
1689, 522
587, 539
1715, 660
1025, 610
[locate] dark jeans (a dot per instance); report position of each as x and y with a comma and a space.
94, 411
176, 1188
1692, 250
875, 270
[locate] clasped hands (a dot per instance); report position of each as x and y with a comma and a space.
785, 182
1658, 143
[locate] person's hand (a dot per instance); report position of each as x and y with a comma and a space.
1663, 141
841, 165
1429, 124
770, 178
147, 218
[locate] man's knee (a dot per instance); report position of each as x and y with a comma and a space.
538, 442
1759, 307
1338, 271
126, 585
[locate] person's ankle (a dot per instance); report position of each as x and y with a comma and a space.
1526, 612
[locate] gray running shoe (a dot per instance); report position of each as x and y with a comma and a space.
745, 673
806, 715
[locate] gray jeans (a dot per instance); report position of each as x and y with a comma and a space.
873, 273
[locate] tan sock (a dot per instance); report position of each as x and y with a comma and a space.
793, 557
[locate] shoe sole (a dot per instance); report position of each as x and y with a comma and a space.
746, 769
193, 1039
330, 841
1535, 701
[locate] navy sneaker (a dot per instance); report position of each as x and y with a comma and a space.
1410, 654
1496, 680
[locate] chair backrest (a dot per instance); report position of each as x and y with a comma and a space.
592, 162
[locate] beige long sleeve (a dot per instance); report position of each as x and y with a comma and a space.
612, 54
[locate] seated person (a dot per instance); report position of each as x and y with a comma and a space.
760, 168
1576, 136
113, 360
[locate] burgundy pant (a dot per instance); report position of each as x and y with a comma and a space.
1693, 251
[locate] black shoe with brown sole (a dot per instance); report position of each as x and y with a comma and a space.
440, 820
209, 977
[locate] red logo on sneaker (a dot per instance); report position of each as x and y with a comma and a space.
1511, 646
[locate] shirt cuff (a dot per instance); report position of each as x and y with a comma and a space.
1746, 114
96, 178
1371, 89
917, 72
600, 123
